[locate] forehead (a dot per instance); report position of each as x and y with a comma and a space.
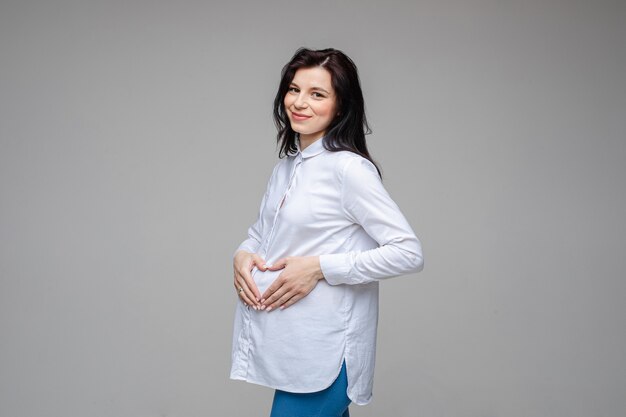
313, 77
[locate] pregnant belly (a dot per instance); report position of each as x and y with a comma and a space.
326, 296
313, 327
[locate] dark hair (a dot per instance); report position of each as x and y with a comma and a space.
348, 129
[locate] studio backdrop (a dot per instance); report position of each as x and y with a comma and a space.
136, 139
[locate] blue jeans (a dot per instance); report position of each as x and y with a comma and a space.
331, 402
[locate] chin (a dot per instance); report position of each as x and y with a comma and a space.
296, 129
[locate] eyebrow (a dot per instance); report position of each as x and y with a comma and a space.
314, 88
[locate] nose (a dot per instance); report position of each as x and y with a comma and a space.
300, 101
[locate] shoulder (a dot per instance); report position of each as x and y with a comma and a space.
351, 167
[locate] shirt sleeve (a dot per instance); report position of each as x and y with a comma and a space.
366, 202
255, 231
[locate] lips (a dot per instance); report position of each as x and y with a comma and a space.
299, 116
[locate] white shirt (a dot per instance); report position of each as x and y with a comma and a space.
335, 206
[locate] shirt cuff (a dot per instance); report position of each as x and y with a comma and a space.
336, 267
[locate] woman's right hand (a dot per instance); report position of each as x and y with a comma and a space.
246, 288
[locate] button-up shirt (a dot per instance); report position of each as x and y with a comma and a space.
332, 204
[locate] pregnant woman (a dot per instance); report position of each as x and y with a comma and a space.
327, 233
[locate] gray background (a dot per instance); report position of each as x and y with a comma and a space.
136, 142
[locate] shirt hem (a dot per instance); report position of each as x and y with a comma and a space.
279, 387
237, 376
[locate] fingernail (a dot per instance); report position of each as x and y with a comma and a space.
264, 266
268, 265
269, 309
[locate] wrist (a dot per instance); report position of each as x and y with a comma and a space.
319, 274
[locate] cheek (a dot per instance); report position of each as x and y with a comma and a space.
325, 110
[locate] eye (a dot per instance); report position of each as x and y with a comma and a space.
318, 95
293, 90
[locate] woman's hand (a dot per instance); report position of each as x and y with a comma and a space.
246, 288
294, 283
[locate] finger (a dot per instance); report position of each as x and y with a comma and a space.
292, 300
280, 292
242, 296
245, 294
259, 262
279, 264
243, 265
282, 300
247, 278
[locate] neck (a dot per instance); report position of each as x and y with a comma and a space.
306, 140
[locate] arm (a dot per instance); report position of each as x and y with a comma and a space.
366, 202
253, 241
245, 256
255, 231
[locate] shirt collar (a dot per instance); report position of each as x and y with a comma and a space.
313, 149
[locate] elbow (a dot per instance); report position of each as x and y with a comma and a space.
411, 259
418, 263
416, 259
413, 263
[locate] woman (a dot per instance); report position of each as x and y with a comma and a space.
327, 232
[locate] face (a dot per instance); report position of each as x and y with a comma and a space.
310, 103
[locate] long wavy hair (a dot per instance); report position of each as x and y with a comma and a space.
348, 129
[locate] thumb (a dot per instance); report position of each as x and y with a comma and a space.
279, 264
259, 262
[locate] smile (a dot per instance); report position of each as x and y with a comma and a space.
297, 116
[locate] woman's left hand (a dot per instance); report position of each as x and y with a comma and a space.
294, 283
